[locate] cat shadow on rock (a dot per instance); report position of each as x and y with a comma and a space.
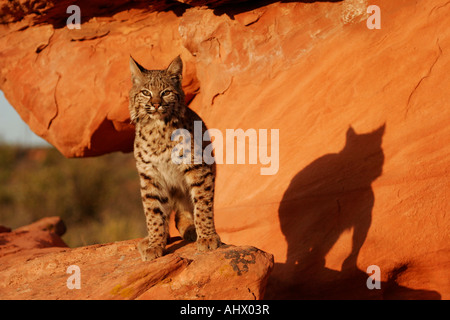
329, 196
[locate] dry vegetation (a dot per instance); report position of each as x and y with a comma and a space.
98, 198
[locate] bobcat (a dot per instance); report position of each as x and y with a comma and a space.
157, 108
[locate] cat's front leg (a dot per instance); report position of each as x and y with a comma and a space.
155, 201
201, 181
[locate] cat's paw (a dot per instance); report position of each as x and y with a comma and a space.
208, 243
149, 253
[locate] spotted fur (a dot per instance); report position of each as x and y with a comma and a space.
157, 108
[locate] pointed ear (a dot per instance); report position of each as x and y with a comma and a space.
382, 129
136, 71
350, 132
175, 69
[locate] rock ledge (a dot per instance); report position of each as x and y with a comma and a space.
33, 269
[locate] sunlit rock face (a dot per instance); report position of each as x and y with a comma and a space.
362, 116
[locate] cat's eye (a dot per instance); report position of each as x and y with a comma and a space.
146, 93
165, 93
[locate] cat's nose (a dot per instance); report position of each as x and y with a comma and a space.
156, 102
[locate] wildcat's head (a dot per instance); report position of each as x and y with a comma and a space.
363, 153
156, 94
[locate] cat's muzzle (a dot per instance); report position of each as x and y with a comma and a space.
156, 109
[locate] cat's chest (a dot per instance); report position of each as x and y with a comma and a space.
153, 146
156, 161
155, 139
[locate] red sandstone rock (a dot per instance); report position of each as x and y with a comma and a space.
339, 203
116, 271
44, 233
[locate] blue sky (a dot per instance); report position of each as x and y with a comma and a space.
12, 128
